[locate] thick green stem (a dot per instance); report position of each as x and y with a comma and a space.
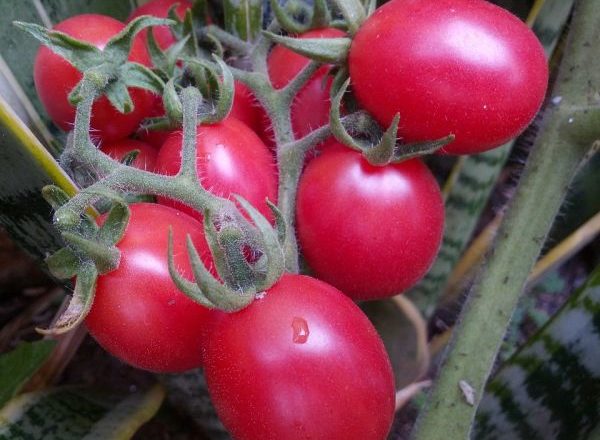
568, 131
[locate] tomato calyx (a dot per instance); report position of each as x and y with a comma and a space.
107, 68
324, 50
378, 148
89, 252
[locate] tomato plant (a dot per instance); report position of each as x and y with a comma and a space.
465, 67
145, 160
370, 231
310, 109
138, 314
231, 159
55, 78
301, 362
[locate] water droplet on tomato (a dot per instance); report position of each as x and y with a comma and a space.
300, 330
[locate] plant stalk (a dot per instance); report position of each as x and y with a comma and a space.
568, 131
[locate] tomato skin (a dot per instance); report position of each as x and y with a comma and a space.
145, 160
370, 231
138, 314
310, 109
303, 362
160, 9
54, 79
466, 67
231, 159
246, 108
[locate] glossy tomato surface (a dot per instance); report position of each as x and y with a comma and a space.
54, 79
370, 231
145, 160
310, 109
231, 159
466, 67
302, 362
138, 315
160, 9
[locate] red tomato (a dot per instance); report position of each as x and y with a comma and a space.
311, 106
231, 159
145, 160
160, 9
247, 109
370, 231
466, 67
138, 314
54, 79
303, 362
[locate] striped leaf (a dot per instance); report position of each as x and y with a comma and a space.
70, 413
550, 389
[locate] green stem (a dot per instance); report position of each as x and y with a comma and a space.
569, 129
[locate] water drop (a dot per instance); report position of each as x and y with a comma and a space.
300, 330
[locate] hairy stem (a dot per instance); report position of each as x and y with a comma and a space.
568, 131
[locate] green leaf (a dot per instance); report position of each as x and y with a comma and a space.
17, 366
550, 388
73, 413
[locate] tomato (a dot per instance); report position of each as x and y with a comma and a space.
54, 79
138, 314
370, 231
310, 109
302, 362
145, 160
466, 67
160, 9
231, 159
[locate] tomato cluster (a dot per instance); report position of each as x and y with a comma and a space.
302, 361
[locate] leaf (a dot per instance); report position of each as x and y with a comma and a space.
17, 366
550, 388
25, 168
71, 413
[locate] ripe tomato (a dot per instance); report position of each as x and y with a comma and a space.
54, 79
138, 314
370, 231
160, 9
303, 362
145, 160
466, 67
310, 109
231, 159
247, 109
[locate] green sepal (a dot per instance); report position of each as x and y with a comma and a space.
63, 264
105, 258
243, 18
55, 196
115, 224
324, 50
370, 6
118, 47
119, 97
418, 149
279, 222
321, 17
286, 20
224, 93
187, 287
354, 13
130, 157
188, 35
274, 264
80, 54
335, 119
226, 247
80, 303
383, 152
172, 103
219, 294
138, 75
